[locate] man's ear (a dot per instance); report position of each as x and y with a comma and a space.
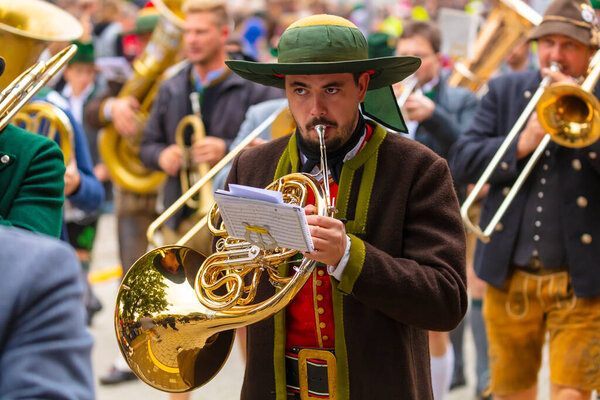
363, 85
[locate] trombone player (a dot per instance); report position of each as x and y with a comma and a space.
541, 261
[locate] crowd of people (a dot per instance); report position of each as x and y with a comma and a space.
397, 279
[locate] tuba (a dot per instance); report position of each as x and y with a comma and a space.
47, 119
176, 309
26, 29
568, 113
505, 25
121, 153
25, 86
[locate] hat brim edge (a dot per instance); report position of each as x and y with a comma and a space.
385, 71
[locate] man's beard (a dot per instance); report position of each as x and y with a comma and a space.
333, 143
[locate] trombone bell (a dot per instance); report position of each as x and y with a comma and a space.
570, 115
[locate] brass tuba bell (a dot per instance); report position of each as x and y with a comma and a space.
120, 153
26, 29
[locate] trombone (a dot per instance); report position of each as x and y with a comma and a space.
568, 113
202, 182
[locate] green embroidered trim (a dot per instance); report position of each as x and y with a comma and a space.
368, 157
289, 157
354, 265
341, 354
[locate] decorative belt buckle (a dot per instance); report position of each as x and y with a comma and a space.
322, 355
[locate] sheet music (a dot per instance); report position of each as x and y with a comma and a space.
264, 223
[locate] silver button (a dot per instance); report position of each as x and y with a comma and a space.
499, 227
582, 202
527, 94
504, 165
545, 167
505, 191
543, 181
536, 238
538, 224
576, 164
586, 238
541, 195
547, 153
4, 159
539, 209
592, 155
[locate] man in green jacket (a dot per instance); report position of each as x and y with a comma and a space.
31, 181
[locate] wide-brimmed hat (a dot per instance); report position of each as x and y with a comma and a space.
328, 44
325, 44
575, 19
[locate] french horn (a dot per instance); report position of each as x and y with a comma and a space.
177, 309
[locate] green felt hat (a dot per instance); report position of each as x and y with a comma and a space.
328, 44
84, 54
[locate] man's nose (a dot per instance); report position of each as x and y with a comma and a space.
318, 106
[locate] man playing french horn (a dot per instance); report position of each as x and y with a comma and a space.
540, 260
391, 260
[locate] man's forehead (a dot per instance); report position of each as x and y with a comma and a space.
558, 37
318, 79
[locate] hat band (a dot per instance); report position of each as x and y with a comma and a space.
559, 18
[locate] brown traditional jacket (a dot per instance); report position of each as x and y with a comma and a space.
405, 275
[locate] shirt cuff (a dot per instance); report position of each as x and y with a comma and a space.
337, 272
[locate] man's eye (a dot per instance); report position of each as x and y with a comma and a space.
300, 91
332, 90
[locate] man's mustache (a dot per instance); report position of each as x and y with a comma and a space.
319, 121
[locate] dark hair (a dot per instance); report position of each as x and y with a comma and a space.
427, 29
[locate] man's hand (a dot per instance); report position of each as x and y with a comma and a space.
209, 149
123, 111
169, 159
101, 172
418, 107
328, 236
72, 179
531, 137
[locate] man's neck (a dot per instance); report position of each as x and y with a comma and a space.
203, 69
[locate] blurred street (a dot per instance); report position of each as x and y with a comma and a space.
227, 384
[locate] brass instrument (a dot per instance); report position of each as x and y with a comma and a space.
281, 121
176, 309
45, 118
120, 153
26, 28
570, 116
190, 173
506, 24
409, 85
25, 86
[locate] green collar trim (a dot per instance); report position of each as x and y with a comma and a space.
368, 158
